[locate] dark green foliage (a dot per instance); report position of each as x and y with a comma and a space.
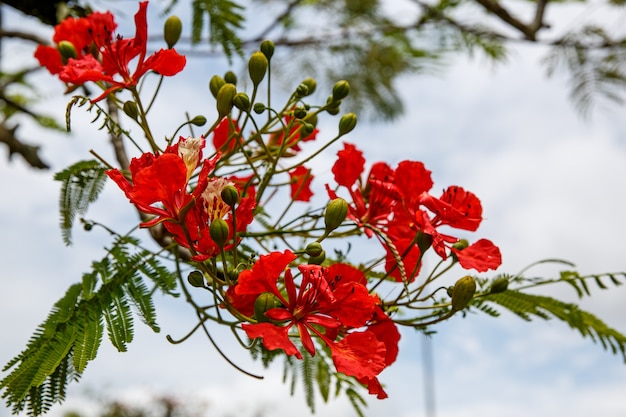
528, 305
579, 282
63, 345
81, 184
224, 18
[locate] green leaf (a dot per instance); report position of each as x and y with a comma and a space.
224, 18
81, 184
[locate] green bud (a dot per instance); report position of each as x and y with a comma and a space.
299, 112
215, 84
219, 232
267, 48
306, 129
199, 120
230, 77
463, 292
259, 108
131, 109
257, 67
171, 30
225, 99
500, 284
333, 109
460, 244
196, 279
230, 195
311, 84
302, 91
264, 302
341, 89
67, 50
335, 214
318, 260
242, 102
347, 123
314, 249
424, 241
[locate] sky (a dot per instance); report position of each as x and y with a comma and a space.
552, 185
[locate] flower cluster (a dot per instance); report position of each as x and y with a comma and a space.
86, 50
396, 204
265, 268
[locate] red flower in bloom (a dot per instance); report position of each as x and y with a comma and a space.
115, 55
328, 303
294, 136
164, 179
81, 34
482, 255
456, 208
301, 178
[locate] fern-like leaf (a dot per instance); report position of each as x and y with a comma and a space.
225, 18
81, 184
529, 305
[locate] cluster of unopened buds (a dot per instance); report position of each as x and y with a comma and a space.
293, 297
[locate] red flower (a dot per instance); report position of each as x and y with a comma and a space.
115, 55
224, 138
456, 208
301, 178
293, 137
328, 303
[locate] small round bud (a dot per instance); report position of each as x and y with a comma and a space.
171, 30
347, 123
131, 109
259, 108
215, 84
333, 108
314, 249
463, 292
196, 279
219, 232
299, 112
302, 91
230, 195
306, 129
242, 101
460, 244
257, 67
230, 77
67, 50
341, 89
225, 99
199, 120
311, 84
264, 302
267, 48
319, 259
335, 214
500, 284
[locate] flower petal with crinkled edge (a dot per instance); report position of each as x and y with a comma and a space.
482, 256
274, 337
359, 354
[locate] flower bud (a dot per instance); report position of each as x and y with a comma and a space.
332, 108
314, 249
311, 84
230, 195
299, 112
171, 30
302, 91
319, 259
267, 48
463, 292
196, 279
264, 302
460, 244
306, 129
259, 108
335, 214
67, 50
215, 84
242, 102
230, 77
219, 232
257, 67
500, 284
198, 120
131, 110
347, 123
225, 99
341, 89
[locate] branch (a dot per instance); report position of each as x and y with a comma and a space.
30, 153
23, 35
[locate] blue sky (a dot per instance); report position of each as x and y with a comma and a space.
551, 184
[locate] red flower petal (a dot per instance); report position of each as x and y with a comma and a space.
481, 256
301, 178
274, 337
349, 165
359, 354
264, 274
